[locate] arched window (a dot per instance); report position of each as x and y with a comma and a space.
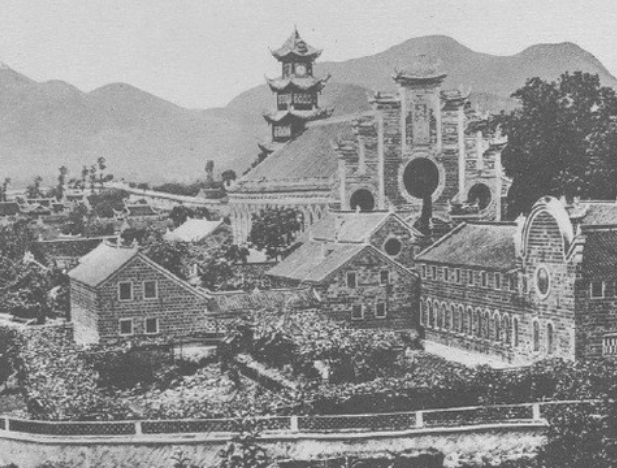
421, 314
469, 322
458, 319
536, 336
478, 323
515, 338
550, 339
448, 318
506, 329
486, 332
444, 316
497, 326
431, 315
437, 316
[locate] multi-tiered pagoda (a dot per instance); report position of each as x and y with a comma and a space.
296, 90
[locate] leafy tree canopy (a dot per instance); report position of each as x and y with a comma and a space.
561, 141
274, 230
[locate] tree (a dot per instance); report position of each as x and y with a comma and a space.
243, 451
180, 213
215, 269
274, 230
228, 176
209, 172
5, 186
173, 256
76, 223
561, 141
34, 189
63, 171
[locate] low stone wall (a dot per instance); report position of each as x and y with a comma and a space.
462, 444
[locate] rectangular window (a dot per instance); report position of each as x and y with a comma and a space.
458, 275
356, 312
609, 345
434, 272
497, 280
282, 130
152, 326
283, 101
351, 279
125, 291
384, 277
150, 290
470, 277
126, 326
514, 283
380, 310
484, 279
597, 289
303, 98
446, 274
423, 271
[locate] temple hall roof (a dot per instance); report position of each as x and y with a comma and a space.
295, 46
307, 162
482, 245
594, 213
193, 230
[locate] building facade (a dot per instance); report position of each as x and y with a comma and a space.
544, 287
417, 146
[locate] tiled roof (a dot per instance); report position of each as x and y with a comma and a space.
594, 213
69, 247
486, 245
9, 209
295, 45
600, 253
304, 84
348, 226
307, 161
101, 263
241, 301
314, 261
307, 115
140, 210
193, 230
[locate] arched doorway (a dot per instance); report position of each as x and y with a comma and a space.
421, 178
480, 194
362, 199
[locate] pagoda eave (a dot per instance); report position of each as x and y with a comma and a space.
297, 84
291, 114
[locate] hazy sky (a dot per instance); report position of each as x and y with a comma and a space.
201, 53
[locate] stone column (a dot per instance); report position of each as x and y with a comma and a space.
461, 153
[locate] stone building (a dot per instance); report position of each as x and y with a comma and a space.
546, 286
119, 294
418, 147
357, 283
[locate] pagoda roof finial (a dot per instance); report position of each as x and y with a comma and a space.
295, 46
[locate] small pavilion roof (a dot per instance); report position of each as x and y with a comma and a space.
306, 115
296, 46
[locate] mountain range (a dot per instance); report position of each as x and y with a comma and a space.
44, 125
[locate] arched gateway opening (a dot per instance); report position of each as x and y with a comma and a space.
362, 199
421, 178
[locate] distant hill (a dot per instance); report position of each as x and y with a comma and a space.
143, 137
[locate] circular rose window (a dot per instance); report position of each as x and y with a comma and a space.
543, 281
393, 247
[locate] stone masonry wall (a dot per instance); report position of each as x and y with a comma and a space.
84, 313
400, 295
179, 310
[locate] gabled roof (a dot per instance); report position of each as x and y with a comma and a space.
140, 210
193, 230
101, 263
315, 261
483, 245
309, 161
600, 253
352, 226
9, 209
242, 301
295, 45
